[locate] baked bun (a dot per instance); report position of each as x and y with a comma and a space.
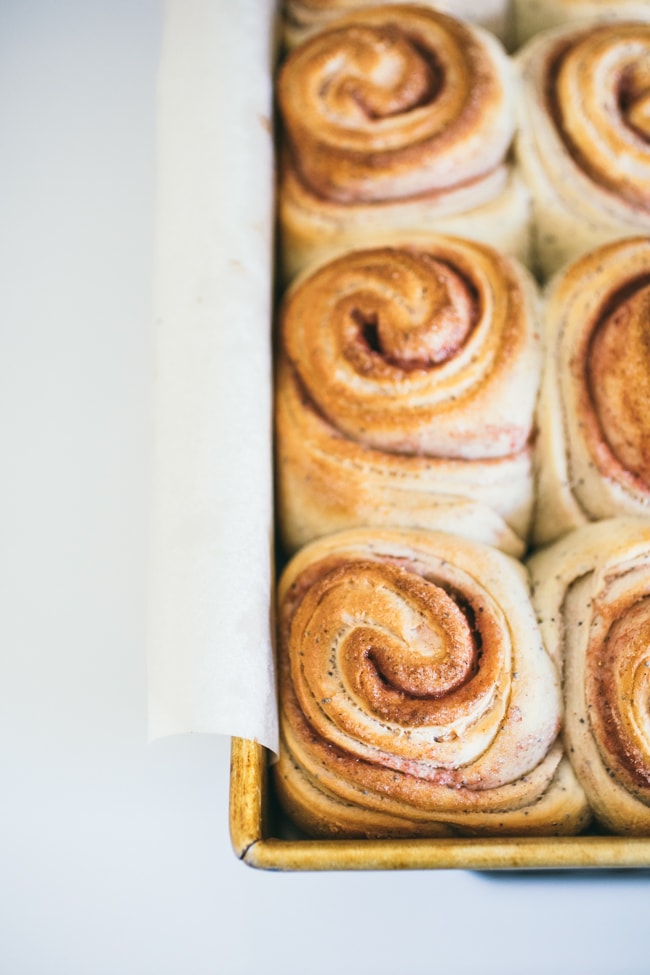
593, 445
592, 595
584, 140
407, 378
397, 119
416, 698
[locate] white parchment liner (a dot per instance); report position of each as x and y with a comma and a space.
210, 661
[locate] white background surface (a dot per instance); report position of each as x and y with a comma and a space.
114, 854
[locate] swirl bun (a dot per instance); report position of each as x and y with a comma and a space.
584, 145
594, 407
416, 697
407, 376
398, 117
592, 594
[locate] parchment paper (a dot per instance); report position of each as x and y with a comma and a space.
210, 661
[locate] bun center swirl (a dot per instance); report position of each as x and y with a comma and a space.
618, 369
601, 101
429, 315
399, 642
410, 667
385, 658
618, 695
634, 97
416, 352
378, 74
395, 102
409, 353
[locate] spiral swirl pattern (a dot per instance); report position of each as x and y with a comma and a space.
617, 381
414, 692
394, 102
592, 593
593, 410
618, 690
584, 145
419, 363
601, 99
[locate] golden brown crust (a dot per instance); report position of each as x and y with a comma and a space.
415, 694
617, 380
593, 415
617, 689
407, 376
393, 106
592, 595
597, 87
584, 144
391, 103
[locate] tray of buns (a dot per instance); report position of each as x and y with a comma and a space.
462, 441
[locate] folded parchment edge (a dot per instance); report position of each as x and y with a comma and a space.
209, 645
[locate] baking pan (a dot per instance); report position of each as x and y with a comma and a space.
262, 837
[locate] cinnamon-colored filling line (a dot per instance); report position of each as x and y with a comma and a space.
312, 407
424, 196
393, 347
617, 379
454, 305
632, 97
419, 84
377, 318
617, 690
348, 627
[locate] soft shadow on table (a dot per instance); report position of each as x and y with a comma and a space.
615, 875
